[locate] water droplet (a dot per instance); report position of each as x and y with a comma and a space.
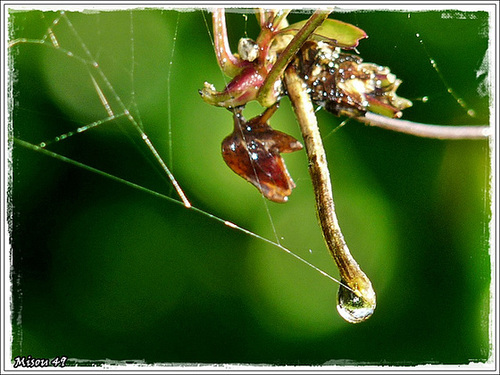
353, 308
471, 113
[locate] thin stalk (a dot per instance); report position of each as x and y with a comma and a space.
358, 303
266, 93
426, 130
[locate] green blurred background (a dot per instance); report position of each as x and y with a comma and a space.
102, 270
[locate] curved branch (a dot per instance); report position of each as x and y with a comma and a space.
426, 130
357, 301
228, 62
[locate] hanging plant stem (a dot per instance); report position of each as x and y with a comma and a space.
357, 301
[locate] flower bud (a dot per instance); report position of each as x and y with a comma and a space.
344, 85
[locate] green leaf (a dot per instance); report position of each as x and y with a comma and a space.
336, 32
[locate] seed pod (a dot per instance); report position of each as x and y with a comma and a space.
344, 85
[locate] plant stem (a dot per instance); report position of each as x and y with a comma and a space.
266, 92
350, 272
426, 130
230, 65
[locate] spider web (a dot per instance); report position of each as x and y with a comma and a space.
123, 105
120, 106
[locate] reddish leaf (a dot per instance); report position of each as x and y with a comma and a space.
253, 152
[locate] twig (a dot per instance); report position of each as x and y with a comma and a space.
426, 130
358, 303
265, 96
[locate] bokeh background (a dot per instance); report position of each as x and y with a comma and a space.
105, 271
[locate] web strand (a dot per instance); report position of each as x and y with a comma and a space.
470, 112
169, 99
132, 72
143, 189
127, 113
